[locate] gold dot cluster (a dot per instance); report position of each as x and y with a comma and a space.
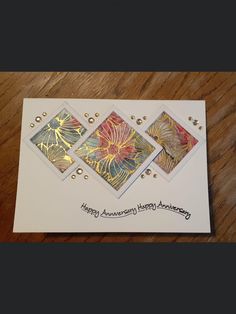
38, 119
195, 122
79, 172
139, 121
148, 172
91, 120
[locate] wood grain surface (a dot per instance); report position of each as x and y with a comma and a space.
219, 91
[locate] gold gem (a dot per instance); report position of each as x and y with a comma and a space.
132, 117
86, 177
148, 171
91, 120
86, 115
190, 118
96, 114
79, 170
155, 175
195, 122
139, 121
44, 114
144, 118
31, 125
38, 119
142, 176
73, 176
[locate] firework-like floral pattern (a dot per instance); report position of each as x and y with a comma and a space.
57, 137
175, 140
115, 150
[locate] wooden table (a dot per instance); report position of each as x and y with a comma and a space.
219, 91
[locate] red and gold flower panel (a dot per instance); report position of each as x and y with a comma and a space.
115, 150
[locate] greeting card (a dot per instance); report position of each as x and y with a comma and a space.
105, 165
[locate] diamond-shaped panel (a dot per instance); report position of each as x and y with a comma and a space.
57, 137
175, 140
115, 151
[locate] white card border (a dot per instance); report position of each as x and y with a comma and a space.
33, 147
184, 161
136, 174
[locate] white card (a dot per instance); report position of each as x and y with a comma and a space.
112, 166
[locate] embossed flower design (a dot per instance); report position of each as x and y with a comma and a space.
115, 150
174, 139
57, 137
